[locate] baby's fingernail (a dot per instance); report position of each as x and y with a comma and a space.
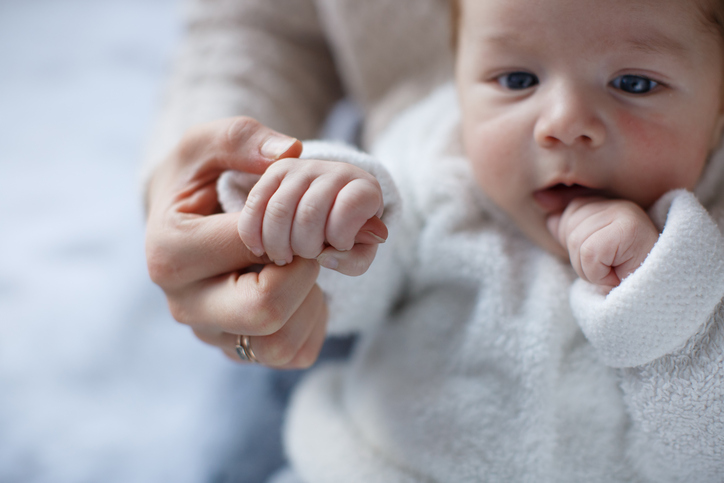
328, 261
258, 252
369, 238
280, 263
276, 146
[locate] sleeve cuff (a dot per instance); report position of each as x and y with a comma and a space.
659, 307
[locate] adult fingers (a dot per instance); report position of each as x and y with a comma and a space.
206, 150
295, 346
309, 351
297, 343
249, 303
186, 239
184, 249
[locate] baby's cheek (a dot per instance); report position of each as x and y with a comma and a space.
658, 155
494, 160
645, 139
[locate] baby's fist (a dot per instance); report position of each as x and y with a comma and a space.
307, 207
607, 240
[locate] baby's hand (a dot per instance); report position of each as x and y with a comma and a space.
607, 240
304, 207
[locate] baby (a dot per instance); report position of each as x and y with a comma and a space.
548, 305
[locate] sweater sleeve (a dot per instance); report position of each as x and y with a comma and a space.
267, 59
355, 303
663, 326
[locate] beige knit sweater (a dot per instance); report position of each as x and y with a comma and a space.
286, 62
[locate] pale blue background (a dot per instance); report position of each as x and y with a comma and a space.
97, 383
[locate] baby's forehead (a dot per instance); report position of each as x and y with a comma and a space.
643, 26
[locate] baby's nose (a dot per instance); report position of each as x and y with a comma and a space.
568, 118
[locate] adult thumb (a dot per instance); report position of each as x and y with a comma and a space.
237, 143
253, 146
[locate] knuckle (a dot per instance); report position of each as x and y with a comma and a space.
627, 228
588, 253
239, 131
266, 316
203, 336
179, 312
280, 350
310, 213
576, 239
278, 211
253, 203
305, 358
162, 266
190, 144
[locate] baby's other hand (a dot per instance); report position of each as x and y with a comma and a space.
607, 240
307, 207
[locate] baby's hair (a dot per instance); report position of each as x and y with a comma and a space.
713, 11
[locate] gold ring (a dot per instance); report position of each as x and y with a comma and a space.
243, 348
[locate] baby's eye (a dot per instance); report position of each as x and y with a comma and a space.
517, 81
634, 84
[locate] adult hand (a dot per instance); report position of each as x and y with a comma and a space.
211, 280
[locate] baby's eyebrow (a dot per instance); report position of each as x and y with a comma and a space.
655, 43
646, 43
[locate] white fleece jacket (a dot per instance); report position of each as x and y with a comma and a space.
483, 359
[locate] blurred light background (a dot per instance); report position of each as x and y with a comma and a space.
97, 383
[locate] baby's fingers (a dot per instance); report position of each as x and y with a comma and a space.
359, 201
310, 220
352, 262
251, 218
372, 232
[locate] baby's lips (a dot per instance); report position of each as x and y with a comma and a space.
372, 232
556, 198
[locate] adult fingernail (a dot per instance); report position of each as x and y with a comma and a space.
328, 261
275, 147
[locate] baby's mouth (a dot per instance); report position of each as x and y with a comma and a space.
555, 198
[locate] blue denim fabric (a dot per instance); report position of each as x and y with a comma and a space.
256, 451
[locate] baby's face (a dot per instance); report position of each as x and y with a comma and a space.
569, 98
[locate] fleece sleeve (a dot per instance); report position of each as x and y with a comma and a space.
663, 326
355, 303
267, 59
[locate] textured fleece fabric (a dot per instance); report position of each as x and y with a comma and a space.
482, 358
